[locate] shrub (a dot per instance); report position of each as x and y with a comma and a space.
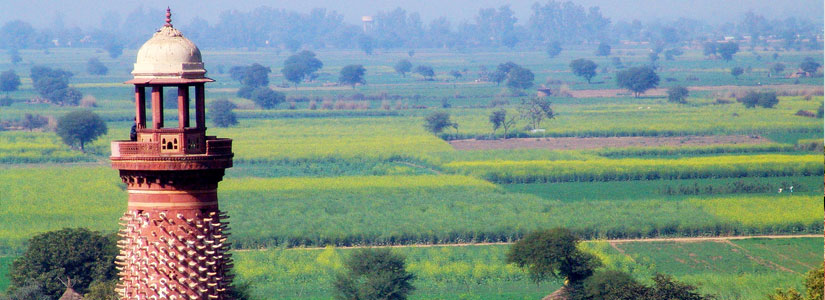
221, 114
374, 274
763, 99
677, 94
266, 98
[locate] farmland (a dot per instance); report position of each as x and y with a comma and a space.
374, 176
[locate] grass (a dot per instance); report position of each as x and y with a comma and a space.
637, 169
479, 272
650, 189
5, 265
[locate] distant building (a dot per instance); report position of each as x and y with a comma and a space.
368, 23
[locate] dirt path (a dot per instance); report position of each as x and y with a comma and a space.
617, 241
574, 143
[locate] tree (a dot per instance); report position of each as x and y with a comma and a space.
9, 82
677, 94
776, 69
813, 288
114, 48
53, 85
611, 285
435, 122
425, 71
552, 253
80, 127
254, 75
736, 71
77, 253
583, 68
95, 67
374, 273
665, 287
14, 56
31, 122
553, 49
30, 290
456, 74
102, 290
519, 78
266, 98
637, 79
671, 54
220, 112
763, 99
301, 66
403, 67
535, 110
809, 66
365, 42
497, 118
710, 48
727, 50
352, 75
603, 49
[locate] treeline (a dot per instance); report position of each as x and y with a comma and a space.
550, 24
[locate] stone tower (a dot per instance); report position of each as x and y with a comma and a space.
173, 236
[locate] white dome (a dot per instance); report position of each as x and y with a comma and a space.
169, 55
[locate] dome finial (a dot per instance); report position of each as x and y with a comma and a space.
168, 17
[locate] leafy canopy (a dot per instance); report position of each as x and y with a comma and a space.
301, 66
80, 127
77, 253
352, 75
220, 112
552, 253
374, 274
637, 79
583, 68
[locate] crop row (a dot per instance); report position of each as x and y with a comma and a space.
640, 169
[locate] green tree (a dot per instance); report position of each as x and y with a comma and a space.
552, 253
254, 75
102, 290
814, 280
456, 74
95, 67
29, 290
374, 273
677, 94
611, 285
80, 127
637, 79
535, 110
366, 43
727, 50
9, 82
665, 287
77, 253
436, 122
301, 66
14, 56
425, 71
603, 49
31, 122
763, 99
583, 68
266, 98
776, 68
809, 65
352, 75
221, 114
114, 48
710, 48
53, 85
553, 49
403, 67
519, 78
736, 71
499, 119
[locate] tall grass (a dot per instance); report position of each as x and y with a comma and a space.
640, 169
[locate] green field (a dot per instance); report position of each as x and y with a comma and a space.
368, 177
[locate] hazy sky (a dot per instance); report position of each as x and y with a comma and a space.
88, 12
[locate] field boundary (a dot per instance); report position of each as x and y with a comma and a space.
611, 242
